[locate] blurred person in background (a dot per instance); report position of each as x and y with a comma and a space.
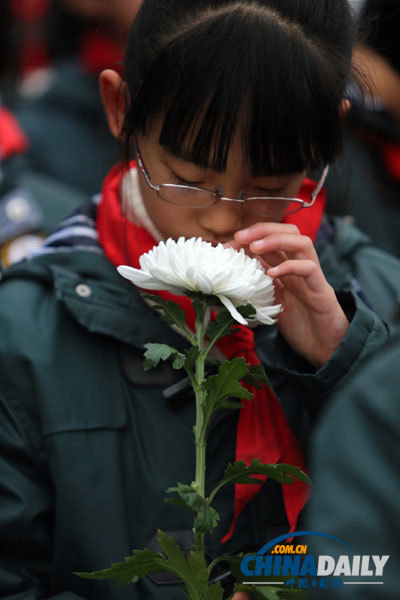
31, 204
365, 182
60, 108
18, 210
30, 22
356, 483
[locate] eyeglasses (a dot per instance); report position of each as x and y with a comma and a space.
271, 207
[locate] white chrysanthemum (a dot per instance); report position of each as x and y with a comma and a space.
197, 266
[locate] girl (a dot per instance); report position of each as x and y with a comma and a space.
230, 102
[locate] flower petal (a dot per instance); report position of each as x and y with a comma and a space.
189, 265
234, 313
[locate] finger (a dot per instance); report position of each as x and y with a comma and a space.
307, 269
260, 230
268, 260
271, 259
300, 246
240, 596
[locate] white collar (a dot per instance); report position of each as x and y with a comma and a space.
133, 206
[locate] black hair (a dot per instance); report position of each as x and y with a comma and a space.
201, 62
380, 22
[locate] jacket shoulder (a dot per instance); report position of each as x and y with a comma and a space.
350, 261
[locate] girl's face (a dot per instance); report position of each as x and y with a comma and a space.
215, 224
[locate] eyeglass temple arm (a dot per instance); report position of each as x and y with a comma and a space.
318, 188
145, 173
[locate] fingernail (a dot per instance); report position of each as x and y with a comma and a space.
258, 243
242, 232
273, 270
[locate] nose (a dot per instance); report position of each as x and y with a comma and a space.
222, 220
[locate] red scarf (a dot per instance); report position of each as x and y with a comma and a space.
262, 428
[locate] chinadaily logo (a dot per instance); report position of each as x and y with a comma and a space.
284, 562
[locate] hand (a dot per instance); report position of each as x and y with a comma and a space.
312, 322
241, 596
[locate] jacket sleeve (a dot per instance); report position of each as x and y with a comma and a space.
25, 509
297, 380
356, 484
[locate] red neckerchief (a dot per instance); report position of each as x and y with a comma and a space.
12, 138
262, 431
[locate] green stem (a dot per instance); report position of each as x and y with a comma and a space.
199, 429
188, 334
220, 333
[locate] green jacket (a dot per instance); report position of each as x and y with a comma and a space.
356, 483
88, 441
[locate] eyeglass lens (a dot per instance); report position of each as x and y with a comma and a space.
197, 198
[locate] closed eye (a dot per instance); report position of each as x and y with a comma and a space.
180, 181
276, 192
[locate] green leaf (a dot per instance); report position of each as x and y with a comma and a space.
200, 307
214, 592
197, 573
206, 517
156, 352
281, 472
191, 568
174, 554
191, 357
179, 361
247, 310
171, 312
133, 568
239, 472
221, 326
226, 384
207, 299
256, 376
223, 323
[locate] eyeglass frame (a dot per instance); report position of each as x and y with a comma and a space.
243, 199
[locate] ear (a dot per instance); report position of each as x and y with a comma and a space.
344, 108
113, 94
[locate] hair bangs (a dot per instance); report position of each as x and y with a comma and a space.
266, 83
293, 120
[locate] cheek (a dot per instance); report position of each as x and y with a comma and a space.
171, 221
296, 185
